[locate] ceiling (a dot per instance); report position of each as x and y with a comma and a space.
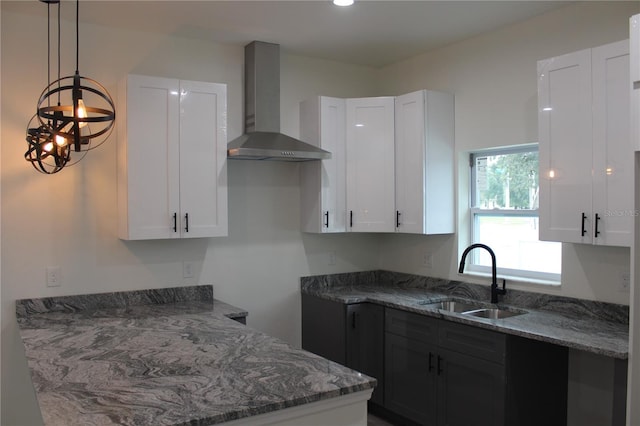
370, 33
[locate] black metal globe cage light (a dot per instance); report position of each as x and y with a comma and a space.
82, 118
47, 152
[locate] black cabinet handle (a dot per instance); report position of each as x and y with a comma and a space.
186, 222
326, 219
353, 320
584, 230
430, 362
350, 218
439, 365
175, 222
597, 232
398, 218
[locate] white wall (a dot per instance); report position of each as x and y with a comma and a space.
69, 219
494, 80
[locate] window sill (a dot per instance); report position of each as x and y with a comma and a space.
515, 279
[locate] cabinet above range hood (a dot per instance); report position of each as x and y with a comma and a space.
262, 139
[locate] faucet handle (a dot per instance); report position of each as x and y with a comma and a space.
503, 290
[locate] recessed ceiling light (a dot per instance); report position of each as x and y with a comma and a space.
343, 2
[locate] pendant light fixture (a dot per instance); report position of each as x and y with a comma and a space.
82, 119
47, 152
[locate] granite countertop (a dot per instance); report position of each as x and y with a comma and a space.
594, 327
165, 357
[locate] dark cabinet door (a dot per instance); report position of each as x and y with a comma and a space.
471, 390
323, 328
352, 335
410, 387
365, 343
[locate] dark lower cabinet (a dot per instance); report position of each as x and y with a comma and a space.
324, 325
449, 374
365, 343
410, 386
470, 390
436, 372
352, 335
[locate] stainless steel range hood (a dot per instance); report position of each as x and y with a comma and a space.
262, 139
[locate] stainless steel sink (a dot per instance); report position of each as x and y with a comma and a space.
470, 308
494, 313
453, 306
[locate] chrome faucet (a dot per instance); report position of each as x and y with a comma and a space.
495, 291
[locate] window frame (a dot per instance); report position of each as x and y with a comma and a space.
476, 212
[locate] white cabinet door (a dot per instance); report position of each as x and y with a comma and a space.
634, 57
634, 47
203, 155
612, 159
565, 138
586, 170
424, 142
148, 153
370, 164
171, 159
323, 183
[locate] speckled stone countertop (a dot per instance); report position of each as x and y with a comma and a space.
596, 327
165, 357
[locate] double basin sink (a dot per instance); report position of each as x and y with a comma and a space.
470, 308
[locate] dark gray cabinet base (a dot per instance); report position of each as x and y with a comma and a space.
352, 335
410, 386
448, 374
436, 372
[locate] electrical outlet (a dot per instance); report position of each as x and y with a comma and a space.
187, 269
54, 276
427, 260
625, 282
332, 258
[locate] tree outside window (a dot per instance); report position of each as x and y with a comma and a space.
504, 214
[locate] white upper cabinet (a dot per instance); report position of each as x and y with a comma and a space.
565, 144
612, 159
323, 196
424, 143
172, 177
203, 158
634, 57
370, 164
585, 166
391, 166
634, 48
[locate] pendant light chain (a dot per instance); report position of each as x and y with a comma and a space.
59, 6
49, 45
77, 36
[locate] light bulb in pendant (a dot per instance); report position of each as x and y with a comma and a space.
81, 112
60, 141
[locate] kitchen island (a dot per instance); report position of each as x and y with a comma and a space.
175, 356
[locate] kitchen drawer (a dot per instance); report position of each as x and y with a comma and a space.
480, 343
413, 326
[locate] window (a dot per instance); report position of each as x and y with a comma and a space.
504, 215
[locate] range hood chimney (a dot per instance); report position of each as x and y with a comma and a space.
262, 139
